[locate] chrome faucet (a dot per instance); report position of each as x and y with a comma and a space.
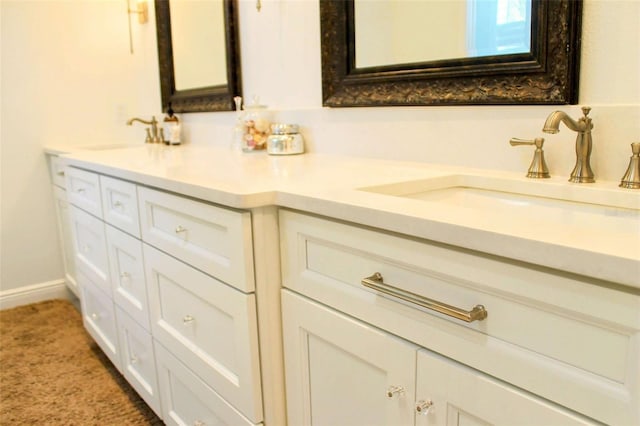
582, 172
152, 137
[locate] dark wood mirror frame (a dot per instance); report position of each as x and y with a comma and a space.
547, 75
201, 99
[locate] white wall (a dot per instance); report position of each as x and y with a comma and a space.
68, 77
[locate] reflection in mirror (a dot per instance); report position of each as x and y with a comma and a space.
402, 32
198, 54
193, 62
467, 56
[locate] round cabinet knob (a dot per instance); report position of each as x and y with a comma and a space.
180, 229
393, 391
134, 359
199, 423
125, 275
188, 319
424, 407
118, 204
94, 316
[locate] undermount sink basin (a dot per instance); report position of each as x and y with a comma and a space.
543, 198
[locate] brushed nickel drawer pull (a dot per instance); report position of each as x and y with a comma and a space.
376, 282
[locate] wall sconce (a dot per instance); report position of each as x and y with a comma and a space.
142, 10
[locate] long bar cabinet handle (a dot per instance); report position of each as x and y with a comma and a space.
376, 282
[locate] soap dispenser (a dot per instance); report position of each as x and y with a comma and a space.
172, 128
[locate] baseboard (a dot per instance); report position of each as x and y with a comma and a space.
35, 293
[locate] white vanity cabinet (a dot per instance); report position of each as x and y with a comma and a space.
201, 311
547, 336
169, 295
63, 216
110, 266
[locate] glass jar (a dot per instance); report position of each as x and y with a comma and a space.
285, 139
256, 128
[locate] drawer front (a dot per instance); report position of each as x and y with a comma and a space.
83, 190
57, 170
215, 240
187, 400
99, 318
90, 247
127, 275
138, 360
120, 204
552, 327
209, 325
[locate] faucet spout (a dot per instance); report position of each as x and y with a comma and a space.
552, 125
130, 122
582, 172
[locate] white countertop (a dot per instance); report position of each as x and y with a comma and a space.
328, 185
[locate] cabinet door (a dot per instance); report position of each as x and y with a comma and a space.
99, 318
138, 360
451, 394
127, 275
340, 371
66, 241
90, 247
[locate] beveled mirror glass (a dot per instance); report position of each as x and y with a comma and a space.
198, 54
389, 52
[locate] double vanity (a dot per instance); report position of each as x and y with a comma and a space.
248, 289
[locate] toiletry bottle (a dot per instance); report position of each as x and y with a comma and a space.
172, 128
238, 128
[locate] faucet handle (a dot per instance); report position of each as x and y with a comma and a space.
538, 168
631, 178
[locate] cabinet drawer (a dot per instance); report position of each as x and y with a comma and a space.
99, 318
90, 247
127, 275
551, 326
215, 240
57, 171
210, 326
138, 360
187, 400
120, 204
83, 190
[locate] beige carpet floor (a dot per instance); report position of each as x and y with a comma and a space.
52, 373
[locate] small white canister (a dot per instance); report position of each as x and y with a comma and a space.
285, 139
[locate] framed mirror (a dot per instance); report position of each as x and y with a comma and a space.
459, 52
199, 55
